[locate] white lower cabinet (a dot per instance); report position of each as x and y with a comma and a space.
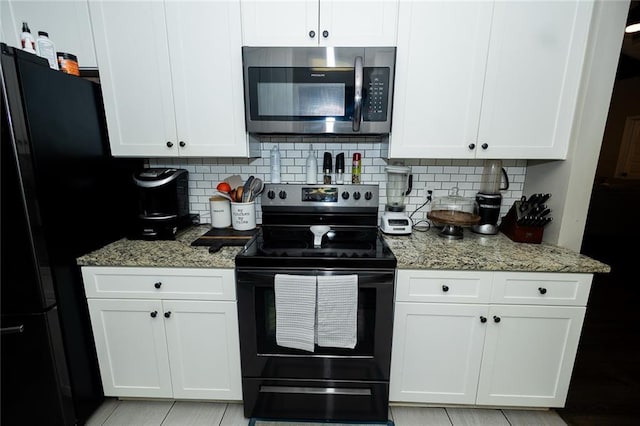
154, 345
516, 350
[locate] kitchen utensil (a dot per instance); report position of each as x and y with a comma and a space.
489, 198
256, 188
234, 180
454, 212
327, 167
340, 168
239, 194
318, 232
246, 189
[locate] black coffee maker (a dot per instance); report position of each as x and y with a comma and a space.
489, 198
163, 203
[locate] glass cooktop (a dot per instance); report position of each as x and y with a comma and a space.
276, 246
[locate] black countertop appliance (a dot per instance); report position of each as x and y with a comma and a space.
163, 203
63, 195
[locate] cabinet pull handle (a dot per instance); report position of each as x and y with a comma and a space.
154, 314
312, 34
357, 93
13, 330
483, 319
325, 33
169, 144
542, 290
496, 318
167, 314
485, 145
472, 146
182, 144
158, 284
445, 288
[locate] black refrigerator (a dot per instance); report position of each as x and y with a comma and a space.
63, 195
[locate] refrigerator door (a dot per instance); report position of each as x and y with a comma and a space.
35, 386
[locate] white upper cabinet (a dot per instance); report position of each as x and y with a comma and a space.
66, 21
171, 75
487, 80
319, 23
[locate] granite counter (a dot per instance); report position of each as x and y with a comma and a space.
420, 250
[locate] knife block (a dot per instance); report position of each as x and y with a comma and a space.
520, 233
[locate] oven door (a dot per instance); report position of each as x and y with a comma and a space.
263, 358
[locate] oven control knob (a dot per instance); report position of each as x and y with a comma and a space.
368, 195
271, 194
345, 195
282, 195
356, 195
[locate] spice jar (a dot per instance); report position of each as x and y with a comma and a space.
68, 63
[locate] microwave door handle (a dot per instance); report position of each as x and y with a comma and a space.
357, 98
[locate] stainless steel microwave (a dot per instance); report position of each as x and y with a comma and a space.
318, 90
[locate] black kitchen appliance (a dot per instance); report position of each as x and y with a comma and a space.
318, 90
322, 231
63, 195
489, 198
163, 202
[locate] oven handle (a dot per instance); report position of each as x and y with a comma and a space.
357, 97
309, 390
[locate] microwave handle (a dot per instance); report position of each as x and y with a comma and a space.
357, 98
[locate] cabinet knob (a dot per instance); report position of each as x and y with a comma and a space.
483, 319
542, 290
158, 284
485, 145
312, 34
445, 288
472, 146
182, 144
495, 318
169, 144
325, 33
154, 314
167, 314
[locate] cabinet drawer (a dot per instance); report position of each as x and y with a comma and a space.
443, 286
159, 283
541, 288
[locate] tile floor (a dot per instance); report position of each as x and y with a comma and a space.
114, 412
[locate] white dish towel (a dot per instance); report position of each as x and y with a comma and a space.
337, 311
295, 311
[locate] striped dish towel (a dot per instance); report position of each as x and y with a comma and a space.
295, 311
337, 311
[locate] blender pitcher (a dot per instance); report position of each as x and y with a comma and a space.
399, 182
394, 219
489, 198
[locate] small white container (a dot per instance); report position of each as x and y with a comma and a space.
243, 216
220, 212
46, 49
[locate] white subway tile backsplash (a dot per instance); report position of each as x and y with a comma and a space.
437, 175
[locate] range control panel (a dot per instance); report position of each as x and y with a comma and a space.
301, 195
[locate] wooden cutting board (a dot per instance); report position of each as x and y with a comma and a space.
217, 238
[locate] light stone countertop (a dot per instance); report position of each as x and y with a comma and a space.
420, 250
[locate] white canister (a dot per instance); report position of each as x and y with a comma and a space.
243, 216
220, 212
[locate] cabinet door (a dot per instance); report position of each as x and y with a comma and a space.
66, 21
131, 347
533, 75
528, 355
204, 350
135, 75
280, 23
441, 59
206, 62
436, 352
358, 23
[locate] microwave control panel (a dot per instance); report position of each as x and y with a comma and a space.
376, 94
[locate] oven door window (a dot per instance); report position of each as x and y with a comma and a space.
266, 326
300, 94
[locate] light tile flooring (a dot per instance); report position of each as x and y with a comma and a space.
114, 412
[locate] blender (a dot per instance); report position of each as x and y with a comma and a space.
394, 219
489, 198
